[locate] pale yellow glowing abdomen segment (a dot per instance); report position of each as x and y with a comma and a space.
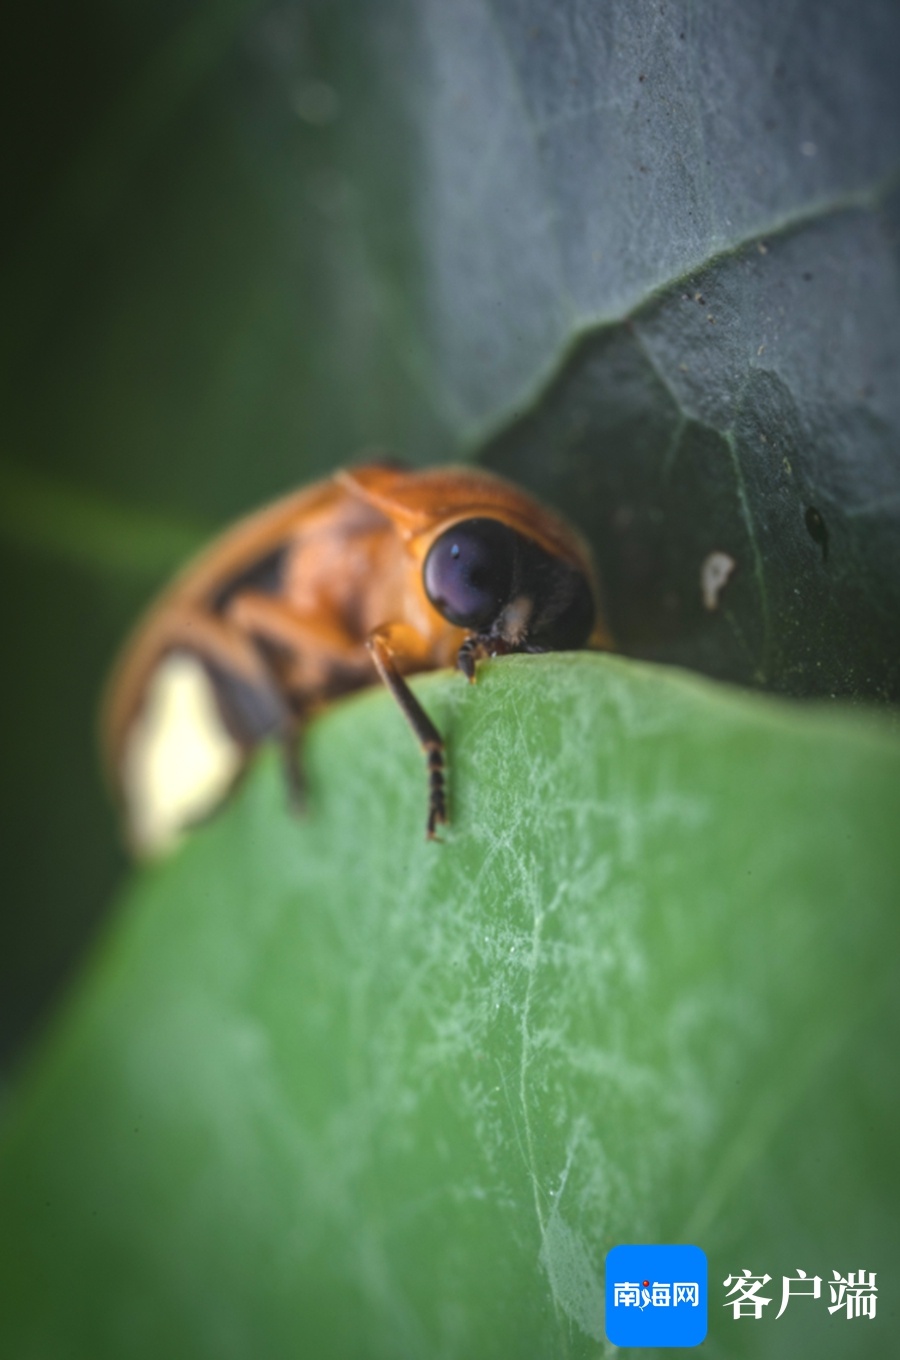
179, 760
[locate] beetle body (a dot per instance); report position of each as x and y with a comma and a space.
377, 570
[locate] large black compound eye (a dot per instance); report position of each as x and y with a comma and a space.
469, 570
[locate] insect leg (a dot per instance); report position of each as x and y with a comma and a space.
310, 641
427, 735
479, 645
467, 655
256, 710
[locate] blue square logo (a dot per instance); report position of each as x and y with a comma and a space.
656, 1296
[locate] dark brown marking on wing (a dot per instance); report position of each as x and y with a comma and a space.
265, 575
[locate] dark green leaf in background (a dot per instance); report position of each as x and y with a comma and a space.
668, 237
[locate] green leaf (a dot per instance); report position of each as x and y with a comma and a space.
332, 1090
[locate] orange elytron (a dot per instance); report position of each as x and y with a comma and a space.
376, 570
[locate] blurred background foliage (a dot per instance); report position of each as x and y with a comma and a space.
642, 257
